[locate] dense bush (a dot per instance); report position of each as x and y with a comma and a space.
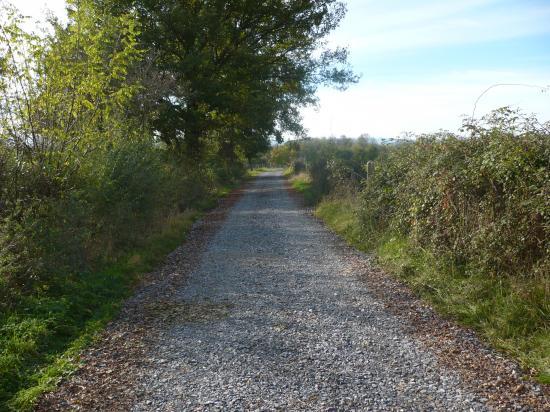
82, 182
481, 200
335, 163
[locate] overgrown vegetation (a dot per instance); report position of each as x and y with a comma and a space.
325, 165
116, 128
465, 221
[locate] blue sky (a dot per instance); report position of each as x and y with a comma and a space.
425, 62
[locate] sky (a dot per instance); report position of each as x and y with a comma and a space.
423, 64
36, 8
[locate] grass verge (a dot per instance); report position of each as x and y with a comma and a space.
508, 313
41, 339
303, 184
259, 170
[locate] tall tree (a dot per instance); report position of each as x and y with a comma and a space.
240, 69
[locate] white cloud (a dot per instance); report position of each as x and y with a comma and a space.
387, 110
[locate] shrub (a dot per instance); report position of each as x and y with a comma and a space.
331, 163
481, 200
465, 222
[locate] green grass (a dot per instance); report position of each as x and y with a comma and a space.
511, 314
288, 172
303, 184
41, 338
259, 170
339, 215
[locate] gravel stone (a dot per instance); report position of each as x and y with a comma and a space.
264, 309
293, 328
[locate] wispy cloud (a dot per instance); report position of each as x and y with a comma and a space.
389, 109
373, 29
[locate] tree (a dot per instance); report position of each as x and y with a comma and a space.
64, 94
241, 69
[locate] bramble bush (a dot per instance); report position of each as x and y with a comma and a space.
466, 222
480, 200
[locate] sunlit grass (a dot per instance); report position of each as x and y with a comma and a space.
303, 184
511, 314
41, 339
259, 170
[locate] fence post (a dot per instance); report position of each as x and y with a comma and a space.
370, 169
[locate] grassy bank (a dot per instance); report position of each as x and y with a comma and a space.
45, 332
502, 310
303, 184
252, 173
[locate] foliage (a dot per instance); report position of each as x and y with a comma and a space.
239, 70
465, 222
67, 146
505, 310
331, 163
60, 93
480, 200
283, 155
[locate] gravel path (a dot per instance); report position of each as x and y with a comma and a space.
273, 319
263, 308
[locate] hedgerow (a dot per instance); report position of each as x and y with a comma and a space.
481, 200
